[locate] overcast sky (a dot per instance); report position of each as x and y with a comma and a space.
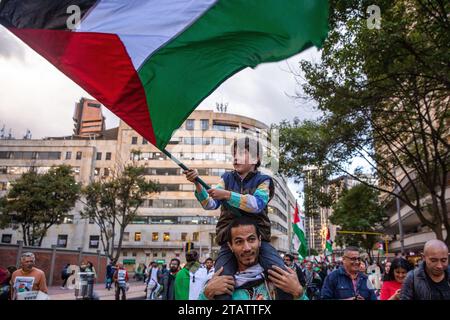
35, 95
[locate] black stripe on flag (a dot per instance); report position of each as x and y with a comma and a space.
40, 14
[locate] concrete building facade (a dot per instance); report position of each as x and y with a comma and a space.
168, 219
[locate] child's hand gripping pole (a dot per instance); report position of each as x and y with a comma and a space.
234, 210
182, 166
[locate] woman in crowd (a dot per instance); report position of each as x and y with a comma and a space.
394, 279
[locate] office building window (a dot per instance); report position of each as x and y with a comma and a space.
155, 236
144, 141
195, 236
68, 219
108, 156
99, 156
204, 124
6, 238
155, 254
134, 140
134, 254
79, 155
94, 242
163, 254
96, 171
124, 253
166, 236
126, 236
190, 124
62, 241
68, 155
137, 236
106, 172
183, 236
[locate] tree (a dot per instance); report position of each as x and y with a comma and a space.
313, 252
384, 96
358, 209
112, 204
38, 201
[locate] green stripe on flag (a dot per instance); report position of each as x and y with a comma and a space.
303, 247
230, 36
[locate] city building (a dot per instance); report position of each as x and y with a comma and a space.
415, 233
317, 226
168, 219
88, 118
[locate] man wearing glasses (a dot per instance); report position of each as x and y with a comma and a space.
289, 262
347, 282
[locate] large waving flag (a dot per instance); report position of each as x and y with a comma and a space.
151, 62
328, 244
299, 237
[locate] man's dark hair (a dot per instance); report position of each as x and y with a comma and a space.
290, 256
177, 260
251, 146
192, 256
398, 263
242, 221
209, 259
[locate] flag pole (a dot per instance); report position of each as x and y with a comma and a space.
234, 210
183, 166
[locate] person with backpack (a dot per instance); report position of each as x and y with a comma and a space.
153, 288
110, 270
65, 274
120, 279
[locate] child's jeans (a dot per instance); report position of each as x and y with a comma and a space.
268, 257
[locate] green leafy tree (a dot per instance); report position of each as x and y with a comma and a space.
36, 202
384, 97
112, 204
359, 210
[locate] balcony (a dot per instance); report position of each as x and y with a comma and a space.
178, 244
413, 242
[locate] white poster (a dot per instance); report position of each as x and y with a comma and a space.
23, 284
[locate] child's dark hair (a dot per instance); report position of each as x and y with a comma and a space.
242, 221
398, 263
251, 146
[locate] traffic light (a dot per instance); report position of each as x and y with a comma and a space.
189, 246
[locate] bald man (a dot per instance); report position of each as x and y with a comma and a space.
430, 281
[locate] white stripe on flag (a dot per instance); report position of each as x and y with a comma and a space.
144, 25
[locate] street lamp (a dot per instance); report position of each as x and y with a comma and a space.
400, 224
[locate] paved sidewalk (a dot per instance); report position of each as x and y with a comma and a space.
136, 292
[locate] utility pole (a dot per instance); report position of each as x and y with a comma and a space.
400, 227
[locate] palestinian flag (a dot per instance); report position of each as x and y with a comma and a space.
152, 62
329, 244
190, 281
380, 248
299, 238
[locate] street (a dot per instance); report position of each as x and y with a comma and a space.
136, 292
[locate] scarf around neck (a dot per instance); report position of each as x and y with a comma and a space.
192, 266
253, 273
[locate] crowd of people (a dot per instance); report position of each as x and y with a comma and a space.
248, 267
